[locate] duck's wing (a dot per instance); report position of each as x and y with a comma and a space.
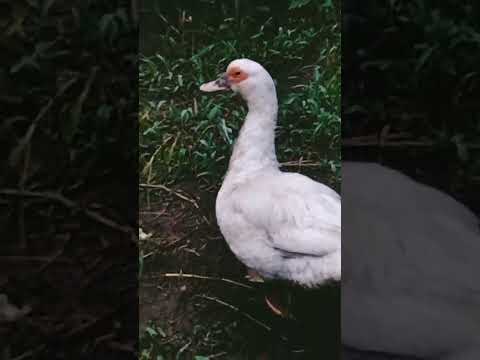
299, 216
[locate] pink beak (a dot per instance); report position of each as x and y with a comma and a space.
220, 84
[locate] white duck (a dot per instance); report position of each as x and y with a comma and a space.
411, 270
282, 225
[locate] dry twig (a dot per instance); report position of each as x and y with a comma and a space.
29, 353
234, 308
300, 164
203, 277
69, 204
17, 152
173, 192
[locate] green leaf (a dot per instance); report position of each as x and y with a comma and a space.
225, 131
151, 331
294, 4
422, 60
213, 112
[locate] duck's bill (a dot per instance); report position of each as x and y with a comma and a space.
220, 84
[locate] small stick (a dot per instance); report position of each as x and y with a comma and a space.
183, 348
103, 338
16, 153
122, 347
21, 203
149, 167
29, 353
167, 189
202, 277
146, 212
69, 204
234, 308
300, 164
214, 356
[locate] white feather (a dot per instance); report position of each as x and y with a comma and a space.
283, 225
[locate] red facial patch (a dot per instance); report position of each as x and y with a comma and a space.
236, 75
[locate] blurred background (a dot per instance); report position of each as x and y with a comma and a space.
68, 178
189, 308
410, 89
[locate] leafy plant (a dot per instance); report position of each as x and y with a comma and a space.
186, 135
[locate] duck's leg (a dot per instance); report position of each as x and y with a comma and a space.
254, 276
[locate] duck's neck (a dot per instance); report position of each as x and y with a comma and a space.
254, 149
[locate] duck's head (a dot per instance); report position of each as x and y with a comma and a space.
247, 77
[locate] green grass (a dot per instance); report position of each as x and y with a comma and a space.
186, 135
155, 343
